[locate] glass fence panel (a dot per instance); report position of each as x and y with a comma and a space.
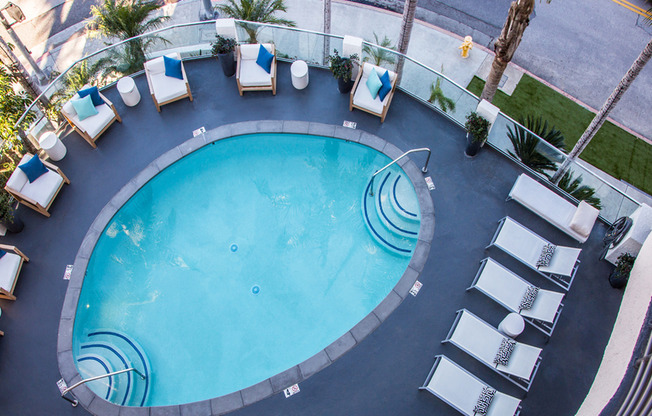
441, 93
418, 80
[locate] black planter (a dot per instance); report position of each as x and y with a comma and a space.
344, 86
472, 146
14, 226
227, 60
618, 280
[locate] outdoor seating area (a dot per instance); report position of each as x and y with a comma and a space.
463, 200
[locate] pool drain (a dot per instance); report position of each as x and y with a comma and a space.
234, 248
255, 290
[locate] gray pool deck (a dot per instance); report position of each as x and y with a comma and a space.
378, 375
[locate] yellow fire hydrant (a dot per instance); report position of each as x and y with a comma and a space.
466, 46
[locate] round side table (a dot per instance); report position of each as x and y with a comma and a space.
513, 325
299, 72
128, 91
52, 146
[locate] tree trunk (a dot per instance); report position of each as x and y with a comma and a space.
518, 19
327, 29
602, 115
409, 10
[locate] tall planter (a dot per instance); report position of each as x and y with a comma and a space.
15, 225
477, 130
344, 86
472, 146
227, 60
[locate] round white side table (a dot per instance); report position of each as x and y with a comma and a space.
128, 91
513, 325
52, 146
299, 72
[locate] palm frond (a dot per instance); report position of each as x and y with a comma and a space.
378, 55
581, 192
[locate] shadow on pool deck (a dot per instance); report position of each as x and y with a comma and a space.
381, 375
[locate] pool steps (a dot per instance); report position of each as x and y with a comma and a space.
105, 351
391, 214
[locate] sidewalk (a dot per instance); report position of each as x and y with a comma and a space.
430, 45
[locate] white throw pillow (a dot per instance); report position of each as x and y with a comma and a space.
584, 218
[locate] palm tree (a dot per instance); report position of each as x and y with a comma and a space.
602, 115
526, 143
518, 19
379, 55
409, 10
261, 11
437, 97
327, 29
125, 19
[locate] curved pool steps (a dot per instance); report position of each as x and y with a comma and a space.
403, 200
119, 352
390, 215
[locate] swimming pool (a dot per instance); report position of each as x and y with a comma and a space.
264, 271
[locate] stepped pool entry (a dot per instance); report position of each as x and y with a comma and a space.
241, 261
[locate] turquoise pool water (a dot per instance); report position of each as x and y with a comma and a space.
238, 262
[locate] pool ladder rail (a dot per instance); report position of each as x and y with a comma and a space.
75, 402
424, 169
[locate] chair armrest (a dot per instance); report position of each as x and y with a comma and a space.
238, 58
149, 81
20, 197
355, 85
6, 247
55, 168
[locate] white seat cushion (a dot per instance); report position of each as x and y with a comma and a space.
167, 88
584, 219
9, 264
93, 125
252, 75
44, 188
362, 97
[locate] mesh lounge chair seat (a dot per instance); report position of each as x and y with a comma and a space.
526, 246
461, 389
10, 265
482, 341
507, 288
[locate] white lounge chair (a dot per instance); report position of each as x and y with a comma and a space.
40, 194
361, 98
166, 89
10, 265
461, 389
525, 245
91, 128
249, 75
576, 221
482, 341
507, 288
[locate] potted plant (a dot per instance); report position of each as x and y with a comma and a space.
8, 216
619, 276
342, 69
223, 49
477, 130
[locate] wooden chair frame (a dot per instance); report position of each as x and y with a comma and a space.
241, 88
29, 202
9, 294
86, 136
389, 97
188, 93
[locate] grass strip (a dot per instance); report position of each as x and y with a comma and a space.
612, 150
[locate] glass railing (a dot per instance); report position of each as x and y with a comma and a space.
419, 81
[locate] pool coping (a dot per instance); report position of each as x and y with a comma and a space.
275, 384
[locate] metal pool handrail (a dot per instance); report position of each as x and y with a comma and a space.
75, 402
424, 169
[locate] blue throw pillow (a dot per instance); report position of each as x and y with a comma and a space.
172, 67
33, 168
387, 86
373, 83
84, 107
265, 59
2, 253
94, 93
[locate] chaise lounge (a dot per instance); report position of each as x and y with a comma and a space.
576, 221
509, 290
461, 390
482, 341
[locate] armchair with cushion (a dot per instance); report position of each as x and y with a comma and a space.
11, 261
256, 67
373, 90
167, 79
36, 184
91, 114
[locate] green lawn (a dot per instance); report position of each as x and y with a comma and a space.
612, 150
